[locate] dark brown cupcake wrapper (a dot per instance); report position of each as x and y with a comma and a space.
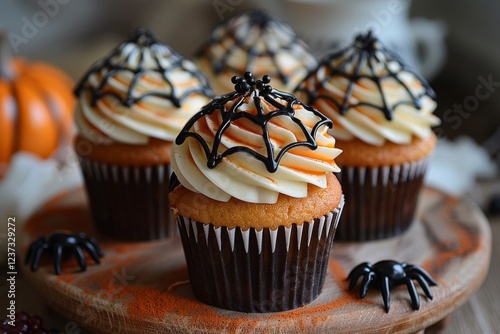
380, 201
129, 203
258, 271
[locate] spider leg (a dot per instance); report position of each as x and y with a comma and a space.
360, 267
36, 258
92, 241
39, 243
356, 277
423, 284
91, 250
367, 279
415, 301
358, 271
58, 259
410, 269
80, 257
386, 294
30, 252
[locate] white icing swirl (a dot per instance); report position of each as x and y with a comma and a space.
364, 117
143, 90
241, 175
256, 42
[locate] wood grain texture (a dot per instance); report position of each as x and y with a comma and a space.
144, 286
481, 313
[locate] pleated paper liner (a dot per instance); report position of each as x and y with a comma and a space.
129, 203
380, 201
258, 271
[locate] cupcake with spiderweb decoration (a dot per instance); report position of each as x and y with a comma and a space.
131, 106
383, 114
255, 199
257, 42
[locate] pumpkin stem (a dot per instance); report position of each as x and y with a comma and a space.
5, 56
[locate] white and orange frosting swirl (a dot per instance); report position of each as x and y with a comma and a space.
253, 146
257, 42
142, 90
371, 95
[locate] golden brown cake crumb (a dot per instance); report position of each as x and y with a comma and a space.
156, 152
360, 154
235, 213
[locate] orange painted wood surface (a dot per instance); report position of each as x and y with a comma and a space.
144, 287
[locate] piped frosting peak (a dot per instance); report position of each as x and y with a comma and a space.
142, 89
263, 140
258, 42
371, 94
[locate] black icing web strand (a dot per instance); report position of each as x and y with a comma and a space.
291, 100
108, 62
259, 18
366, 50
406, 68
270, 98
202, 88
365, 42
338, 104
245, 88
213, 158
256, 19
386, 108
414, 98
343, 104
428, 89
144, 39
129, 99
271, 162
360, 60
280, 72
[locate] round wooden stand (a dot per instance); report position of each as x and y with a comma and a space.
144, 287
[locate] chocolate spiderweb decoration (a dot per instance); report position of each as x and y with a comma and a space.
264, 23
248, 87
111, 66
366, 50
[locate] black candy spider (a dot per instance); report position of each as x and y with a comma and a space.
387, 274
60, 244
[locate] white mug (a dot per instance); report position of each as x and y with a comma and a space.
327, 23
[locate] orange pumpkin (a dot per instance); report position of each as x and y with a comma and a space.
36, 106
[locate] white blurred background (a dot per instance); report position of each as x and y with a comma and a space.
464, 46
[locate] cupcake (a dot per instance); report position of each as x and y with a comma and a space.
382, 112
256, 201
131, 106
257, 42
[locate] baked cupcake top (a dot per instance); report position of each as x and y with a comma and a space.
257, 42
254, 144
143, 89
371, 94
